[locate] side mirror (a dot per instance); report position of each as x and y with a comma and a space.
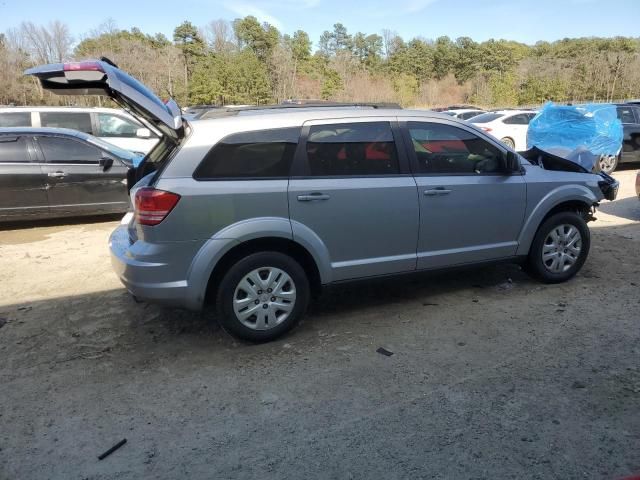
106, 163
143, 133
513, 164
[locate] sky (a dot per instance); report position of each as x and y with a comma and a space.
522, 20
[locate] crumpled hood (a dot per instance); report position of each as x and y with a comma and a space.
579, 160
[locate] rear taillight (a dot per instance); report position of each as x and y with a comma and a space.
486, 129
82, 67
153, 206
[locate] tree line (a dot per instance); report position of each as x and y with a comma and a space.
248, 62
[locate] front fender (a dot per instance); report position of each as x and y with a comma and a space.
557, 196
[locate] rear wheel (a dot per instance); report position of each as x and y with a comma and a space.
262, 296
559, 248
508, 142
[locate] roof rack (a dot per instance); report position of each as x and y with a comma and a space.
316, 104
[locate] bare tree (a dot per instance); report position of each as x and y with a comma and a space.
220, 36
45, 44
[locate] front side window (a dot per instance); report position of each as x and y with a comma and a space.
13, 149
73, 120
66, 150
352, 149
115, 126
257, 154
444, 149
15, 119
625, 114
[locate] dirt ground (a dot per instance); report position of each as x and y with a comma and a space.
493, 375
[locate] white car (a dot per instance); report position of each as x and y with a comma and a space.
463, 113
508, 126
109, 124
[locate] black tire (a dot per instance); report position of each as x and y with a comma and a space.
509, 142
535, 265
230, 281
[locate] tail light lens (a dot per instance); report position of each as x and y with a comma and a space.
82, 67
486, 129
153, 206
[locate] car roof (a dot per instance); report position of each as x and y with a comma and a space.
298, 116
66, 132
465, 110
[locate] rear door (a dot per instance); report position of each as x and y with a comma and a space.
351, 187
102, 77
22, 181
517, 126
77, 183
471, 208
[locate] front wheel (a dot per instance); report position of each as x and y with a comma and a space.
559, 248
262, 296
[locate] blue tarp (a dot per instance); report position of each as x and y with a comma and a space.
568, 129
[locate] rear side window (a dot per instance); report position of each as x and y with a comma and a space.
13, 149
352, 149
257, 154
486, 117
74, 120
520, 119
115, 126
468, 115
66, 150
15, 119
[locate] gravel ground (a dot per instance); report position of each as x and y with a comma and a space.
492, 374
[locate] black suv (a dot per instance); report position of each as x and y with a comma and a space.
629, 115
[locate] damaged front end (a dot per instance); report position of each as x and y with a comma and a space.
578, 162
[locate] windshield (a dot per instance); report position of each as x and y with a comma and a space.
486, 117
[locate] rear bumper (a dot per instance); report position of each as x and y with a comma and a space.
155, 272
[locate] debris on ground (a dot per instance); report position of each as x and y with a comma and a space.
384, 351
112, 449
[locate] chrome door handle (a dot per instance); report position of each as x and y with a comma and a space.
436, 191
313, 197
56, 174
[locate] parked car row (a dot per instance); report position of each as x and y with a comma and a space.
52, 172
109, 124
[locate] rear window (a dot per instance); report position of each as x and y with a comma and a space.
73, 120
15, 119
13, 149
257, 154
486, 117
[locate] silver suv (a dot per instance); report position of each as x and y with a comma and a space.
256, 209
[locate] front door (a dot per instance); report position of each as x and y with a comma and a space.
22, 182
353, 192
77, 182
471, 208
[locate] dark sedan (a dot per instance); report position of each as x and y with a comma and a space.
55, 172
